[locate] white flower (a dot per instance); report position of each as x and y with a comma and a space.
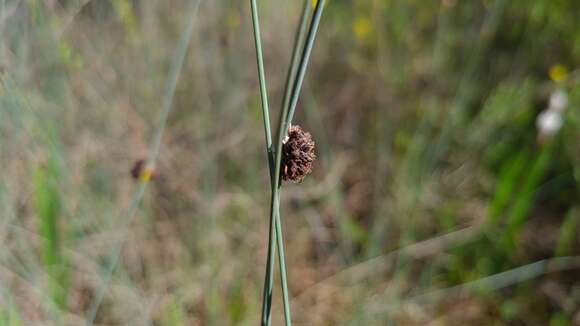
558, 100
549, 122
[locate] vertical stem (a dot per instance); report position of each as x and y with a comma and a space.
275, 225
288, 111
267, 295
282, 263
304, 62
262, 81
284, 121
298, 44
291, 74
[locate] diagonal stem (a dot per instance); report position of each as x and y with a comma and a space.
268, 281
276, 228
167, 104
304, 63
288, 111
295, 79
298, 44
262, 81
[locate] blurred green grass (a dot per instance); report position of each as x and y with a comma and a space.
424, 114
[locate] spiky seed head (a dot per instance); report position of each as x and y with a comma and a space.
297, 155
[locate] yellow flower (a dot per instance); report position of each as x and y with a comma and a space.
362, 28
145, 175
558, 73
142, 171
315, 2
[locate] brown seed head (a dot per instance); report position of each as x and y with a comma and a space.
136, 169
297, 155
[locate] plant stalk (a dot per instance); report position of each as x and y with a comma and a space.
267, 295
288, 109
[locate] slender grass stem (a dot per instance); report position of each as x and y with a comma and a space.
489, 283
115, 256
299, 40
274, 240
275, 227
288, 111
262, 80
288, 108
282, 262
298, 44
167, 103
304, 63
278, 226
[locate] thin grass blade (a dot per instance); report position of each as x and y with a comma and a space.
268, 280
284, 122
166, 105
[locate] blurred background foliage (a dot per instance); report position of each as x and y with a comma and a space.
440, 195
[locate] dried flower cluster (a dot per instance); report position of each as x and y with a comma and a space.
297, 155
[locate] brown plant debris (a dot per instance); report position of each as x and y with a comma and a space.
297, 155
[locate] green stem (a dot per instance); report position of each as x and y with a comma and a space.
288, 111
277, 227
295, 78
268, 281
304, 62
167, 104
262, 80
284, 122
298, 44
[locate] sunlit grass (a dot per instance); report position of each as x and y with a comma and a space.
436, 197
